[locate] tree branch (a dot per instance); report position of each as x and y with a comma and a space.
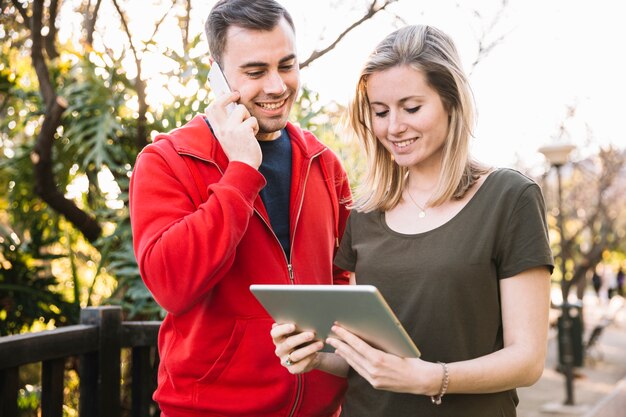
592, 257
140, 86
485, 47
127, 31
90, 27
45, 184
41, 157
22, 9
373, 9
186, 23
158, 25
52, 32
41, 69
612, 162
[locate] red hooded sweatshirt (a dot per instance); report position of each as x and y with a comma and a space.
201, 236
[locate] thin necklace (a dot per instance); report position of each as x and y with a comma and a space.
422, 212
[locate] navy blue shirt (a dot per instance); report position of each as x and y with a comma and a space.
276, 168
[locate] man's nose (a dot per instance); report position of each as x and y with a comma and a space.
275, 84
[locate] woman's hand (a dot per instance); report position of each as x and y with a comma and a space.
385, 371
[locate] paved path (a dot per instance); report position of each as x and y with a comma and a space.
604, 367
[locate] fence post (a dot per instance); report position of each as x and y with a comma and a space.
142, 386
52, 375
100, 373
8, 391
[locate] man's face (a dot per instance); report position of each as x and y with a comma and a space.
263, 67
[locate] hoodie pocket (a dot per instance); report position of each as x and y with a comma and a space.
247, 376
227, 354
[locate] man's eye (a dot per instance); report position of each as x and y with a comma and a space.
254, 74
287, 67
413, 109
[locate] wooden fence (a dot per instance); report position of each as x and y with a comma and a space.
98, 342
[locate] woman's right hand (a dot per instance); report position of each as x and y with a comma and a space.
298, 352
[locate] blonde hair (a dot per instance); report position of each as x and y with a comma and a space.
432, 52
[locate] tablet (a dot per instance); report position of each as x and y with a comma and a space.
359, 308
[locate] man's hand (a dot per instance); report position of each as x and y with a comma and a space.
235, 132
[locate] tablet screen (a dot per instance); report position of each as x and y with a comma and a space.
359, 308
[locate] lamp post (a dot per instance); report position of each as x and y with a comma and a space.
557, 155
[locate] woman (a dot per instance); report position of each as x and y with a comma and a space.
459, 250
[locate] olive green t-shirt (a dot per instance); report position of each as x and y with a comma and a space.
443, 286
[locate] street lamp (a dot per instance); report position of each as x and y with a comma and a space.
557, 155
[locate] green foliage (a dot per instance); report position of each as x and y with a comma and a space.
28, 400
31, 293
92, 123
188, 71
131, 293
328, 123
29, 393
27, 286
98, 135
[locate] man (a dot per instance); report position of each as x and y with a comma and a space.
229, 200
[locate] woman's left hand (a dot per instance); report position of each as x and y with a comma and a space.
383, 370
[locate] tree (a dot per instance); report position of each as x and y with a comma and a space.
594, 210
596, 216
75, 115
74, 119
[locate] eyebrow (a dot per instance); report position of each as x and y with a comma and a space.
402, 100
257, 64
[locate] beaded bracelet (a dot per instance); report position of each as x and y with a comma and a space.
436, 399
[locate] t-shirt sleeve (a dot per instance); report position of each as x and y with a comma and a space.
525, 243
346, 255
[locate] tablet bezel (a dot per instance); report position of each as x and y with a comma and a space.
359, 308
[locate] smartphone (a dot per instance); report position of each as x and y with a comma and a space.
218, 84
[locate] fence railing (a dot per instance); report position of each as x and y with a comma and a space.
97, 342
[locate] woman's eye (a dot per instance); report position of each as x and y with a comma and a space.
413, 109
381, 113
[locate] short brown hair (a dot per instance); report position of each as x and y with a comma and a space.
248, 14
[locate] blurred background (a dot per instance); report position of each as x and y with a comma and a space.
86, 84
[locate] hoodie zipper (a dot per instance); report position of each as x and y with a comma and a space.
306, 178
289, 265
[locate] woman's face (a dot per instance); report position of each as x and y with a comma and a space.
408, 116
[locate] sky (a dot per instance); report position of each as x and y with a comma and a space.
554, 56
